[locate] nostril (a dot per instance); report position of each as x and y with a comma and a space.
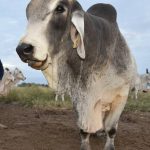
25, 49
28, 49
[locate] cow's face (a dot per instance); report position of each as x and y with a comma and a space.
19, 75
48, 27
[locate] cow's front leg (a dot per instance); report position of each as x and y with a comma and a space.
56, 96
112, 119
63, 97
110, 138
85, 143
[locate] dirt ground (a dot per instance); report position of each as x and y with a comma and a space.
32, 129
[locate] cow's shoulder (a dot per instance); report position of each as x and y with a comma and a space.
105, 11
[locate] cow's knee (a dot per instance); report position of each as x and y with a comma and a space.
85, 145
112, 132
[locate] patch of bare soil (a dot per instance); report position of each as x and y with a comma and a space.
32, 129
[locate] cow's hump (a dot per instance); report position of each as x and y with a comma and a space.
105, 11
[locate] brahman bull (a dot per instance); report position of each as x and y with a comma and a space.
63, 40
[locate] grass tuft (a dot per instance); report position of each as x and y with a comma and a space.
35, 96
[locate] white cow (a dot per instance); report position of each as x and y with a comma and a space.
6, 80
18, 76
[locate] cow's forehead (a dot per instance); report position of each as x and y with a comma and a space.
37, 9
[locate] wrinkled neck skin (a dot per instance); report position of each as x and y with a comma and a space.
49, 75
57, 72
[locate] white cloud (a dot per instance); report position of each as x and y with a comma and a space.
8, 65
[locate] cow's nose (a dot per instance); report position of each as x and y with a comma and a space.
25, 49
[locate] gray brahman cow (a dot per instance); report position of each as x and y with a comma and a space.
63, 40
141, 84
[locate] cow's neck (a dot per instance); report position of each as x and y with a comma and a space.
52, 72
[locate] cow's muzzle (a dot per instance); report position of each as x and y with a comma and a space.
25, 52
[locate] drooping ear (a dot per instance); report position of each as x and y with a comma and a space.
77, 33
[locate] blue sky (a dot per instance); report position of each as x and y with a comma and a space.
133, 20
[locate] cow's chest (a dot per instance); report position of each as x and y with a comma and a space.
106, 88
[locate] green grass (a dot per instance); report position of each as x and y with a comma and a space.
35, 96
42, 97
141, 104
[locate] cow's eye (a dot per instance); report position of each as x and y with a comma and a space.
60, 9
